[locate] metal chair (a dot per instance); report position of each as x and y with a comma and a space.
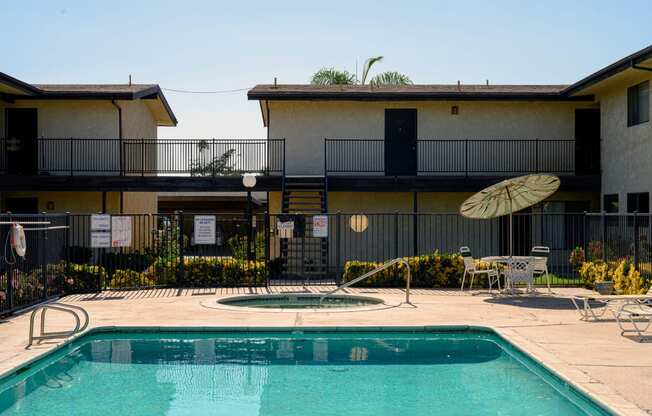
471, 270
540, 255
520, 270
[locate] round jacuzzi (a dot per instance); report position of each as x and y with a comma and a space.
303, 301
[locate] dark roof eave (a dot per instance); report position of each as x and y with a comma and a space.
154, 92
610, 70
388, 96
18, 84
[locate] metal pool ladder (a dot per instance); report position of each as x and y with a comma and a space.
378, 269
76, 311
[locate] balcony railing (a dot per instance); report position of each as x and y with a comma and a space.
144, 157
466, 157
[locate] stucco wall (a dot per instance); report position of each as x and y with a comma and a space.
140, 203
626, 151
305, 124
73, 202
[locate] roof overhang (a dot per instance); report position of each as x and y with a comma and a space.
289, 93
628, 67
12, 89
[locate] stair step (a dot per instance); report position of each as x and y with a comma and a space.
303, 196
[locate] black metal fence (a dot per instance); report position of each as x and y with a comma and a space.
456, 157
142, 250
38, 275
112, 156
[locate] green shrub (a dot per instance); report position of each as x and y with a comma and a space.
82, 278
428, 271
131, 279
223, 272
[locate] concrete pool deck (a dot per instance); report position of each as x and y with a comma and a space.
615, 370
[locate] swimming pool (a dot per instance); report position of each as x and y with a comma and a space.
348, 371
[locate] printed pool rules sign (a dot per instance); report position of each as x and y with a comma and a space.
121, 231
100, 231
320, 226
204, 229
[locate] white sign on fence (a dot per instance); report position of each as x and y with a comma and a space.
100, 222
100, 239
204, 229
120, 231
320, 226
285, 229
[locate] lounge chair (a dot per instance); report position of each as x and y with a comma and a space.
470, 269
583, 303
634, 317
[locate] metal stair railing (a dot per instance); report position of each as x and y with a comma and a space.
76, 311
378, 269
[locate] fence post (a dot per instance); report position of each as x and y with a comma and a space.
395, 234
10, 276
72, 153
604, 236
466, 157
142, 162
121, 149
584, 231
181, 272
415, 234
267, 248
67, 243
536, 155
337, 245
636, 240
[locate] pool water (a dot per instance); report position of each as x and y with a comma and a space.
300, 301
337, 373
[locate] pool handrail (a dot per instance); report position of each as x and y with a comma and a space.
62, 307
378, 269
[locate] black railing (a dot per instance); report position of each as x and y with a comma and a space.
456, 157
128, 157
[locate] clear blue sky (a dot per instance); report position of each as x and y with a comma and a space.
211, 45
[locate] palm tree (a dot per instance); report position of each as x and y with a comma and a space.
332, 76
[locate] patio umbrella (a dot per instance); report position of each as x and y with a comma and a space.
510, 196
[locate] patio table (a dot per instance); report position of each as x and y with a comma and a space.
504, 260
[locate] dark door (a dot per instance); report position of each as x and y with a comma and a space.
587, 141
21, 145
401, 142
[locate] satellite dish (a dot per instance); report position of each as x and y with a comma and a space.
18, 241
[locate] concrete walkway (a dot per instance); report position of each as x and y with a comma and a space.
614, 369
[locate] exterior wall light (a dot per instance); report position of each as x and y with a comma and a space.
249, 180
359, 223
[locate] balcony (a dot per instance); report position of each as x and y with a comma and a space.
466, 157
141, 157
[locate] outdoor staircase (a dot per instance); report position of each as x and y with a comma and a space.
305, 257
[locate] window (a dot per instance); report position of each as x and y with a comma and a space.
638, 202
638, 104
610, 203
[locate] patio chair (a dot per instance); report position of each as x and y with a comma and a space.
471, 270
541, 254
520, 270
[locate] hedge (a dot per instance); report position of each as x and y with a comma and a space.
428, 271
